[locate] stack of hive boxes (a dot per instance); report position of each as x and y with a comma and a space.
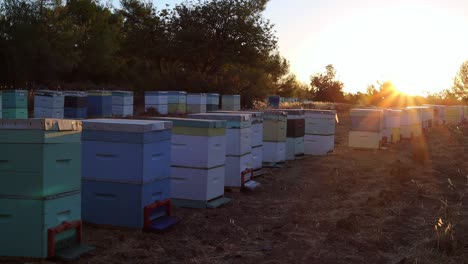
393, 123
366, 128
438, 114
48, 104
295, 132
274, 137
427, 117
238, 146
230, 102
122, 103
453, 114
212, 102
156, 100
406, 124
75, 104
177, 102
198, 162
319, 138
15, 104
274, 101
196, 103
99, 104
126, 168
256, 136
416, 121
40, 185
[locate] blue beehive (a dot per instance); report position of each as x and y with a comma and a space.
121, 204
274, 101
126, 166
75, 104
99, 104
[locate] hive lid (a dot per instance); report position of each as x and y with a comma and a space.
196, 94
122, 93
99, 93
320, 111
255, 114
48, 93
75, 93
177, 93
191, 122
275, 113
291, 111
153, 93
213, 94
126, 125
15, 91
49, 124
223, 116
231, 95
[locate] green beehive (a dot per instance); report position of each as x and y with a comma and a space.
39, 157
15, 99
24, 223
15, 113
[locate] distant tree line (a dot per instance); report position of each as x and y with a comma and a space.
223, 46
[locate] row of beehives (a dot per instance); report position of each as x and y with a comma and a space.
179, 102
372, 127
127, 173
73, 104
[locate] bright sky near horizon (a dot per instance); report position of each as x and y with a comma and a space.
419, 45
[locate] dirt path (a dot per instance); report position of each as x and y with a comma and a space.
353, 206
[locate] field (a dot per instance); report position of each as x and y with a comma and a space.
352, 206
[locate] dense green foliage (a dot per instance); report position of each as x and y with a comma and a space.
221, 46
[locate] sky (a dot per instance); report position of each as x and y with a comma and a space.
419, 45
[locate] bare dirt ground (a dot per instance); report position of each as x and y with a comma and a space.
353, 206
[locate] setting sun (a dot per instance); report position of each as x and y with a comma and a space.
418, 46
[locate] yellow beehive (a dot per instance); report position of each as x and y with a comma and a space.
395, 137
364, 139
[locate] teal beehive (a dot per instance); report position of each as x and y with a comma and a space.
24, 223
15, 99
39, 157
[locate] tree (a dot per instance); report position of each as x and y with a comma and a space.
460, 83
326, 87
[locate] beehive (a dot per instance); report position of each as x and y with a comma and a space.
177, 102
231, 102
454, 114
48, 104
393, 122
126, 166
99, 104
256, 136
212, 102
366, 128
238, 144
157, 100
274, 101
122, 103
14, 104
438, 114
75, 104
196, 103
295, 131
274, 137
40, 152
198, 159
319, 138
40, 161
